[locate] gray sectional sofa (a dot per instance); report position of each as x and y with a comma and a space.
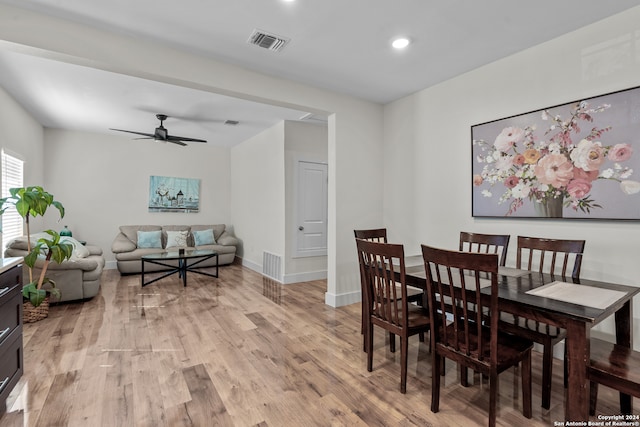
77, 278
134, 241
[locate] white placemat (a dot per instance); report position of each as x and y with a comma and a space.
578, 294
470, 282
512, 272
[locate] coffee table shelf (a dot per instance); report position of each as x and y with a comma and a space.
188, 260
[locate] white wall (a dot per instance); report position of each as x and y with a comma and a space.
303, 141
257, 195
22, 136
103, 182
427, 144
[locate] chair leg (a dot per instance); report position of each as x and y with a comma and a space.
593, 397
526, 386
464, 376
435, 381
493, 398
404, 359
364, 341
547, 366
392, 342
369, 335
421, 336
363, 331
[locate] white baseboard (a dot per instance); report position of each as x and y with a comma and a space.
111, 265
251, 265
305, 277
289, 278
338, 300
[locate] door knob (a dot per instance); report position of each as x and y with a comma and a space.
301, 228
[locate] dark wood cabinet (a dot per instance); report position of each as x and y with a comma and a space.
10, 331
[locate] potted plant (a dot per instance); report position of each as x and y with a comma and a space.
29, 202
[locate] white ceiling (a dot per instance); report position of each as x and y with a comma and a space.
339, 45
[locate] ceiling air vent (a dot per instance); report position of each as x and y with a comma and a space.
267, 40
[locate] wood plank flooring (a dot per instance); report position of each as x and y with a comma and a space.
241, 350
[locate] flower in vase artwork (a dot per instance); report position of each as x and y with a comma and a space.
552, 165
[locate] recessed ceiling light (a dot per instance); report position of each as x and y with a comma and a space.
400, 43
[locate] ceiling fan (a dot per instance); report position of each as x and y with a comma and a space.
161, 134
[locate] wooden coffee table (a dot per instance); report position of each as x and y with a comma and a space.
187, 260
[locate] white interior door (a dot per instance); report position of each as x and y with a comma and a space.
311, 203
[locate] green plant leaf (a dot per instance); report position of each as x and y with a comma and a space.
34, 295
58, 206
32, 257
23, 208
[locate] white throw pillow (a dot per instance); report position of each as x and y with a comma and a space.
176, 239
79, 250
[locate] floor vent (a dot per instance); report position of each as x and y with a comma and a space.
267, 40
272, 265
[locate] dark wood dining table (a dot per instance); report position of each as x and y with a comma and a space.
576, 319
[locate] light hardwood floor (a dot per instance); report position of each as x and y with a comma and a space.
241, 350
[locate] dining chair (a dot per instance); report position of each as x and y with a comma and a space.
459, 330
386, 299
486, 243
483, 243
614, 366
413, 294
562, 259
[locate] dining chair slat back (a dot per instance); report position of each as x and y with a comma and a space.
553, 256
373, 235
485, 243
458, 302
385, 285
379, 235
563, 259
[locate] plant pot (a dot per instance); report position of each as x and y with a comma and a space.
31, 314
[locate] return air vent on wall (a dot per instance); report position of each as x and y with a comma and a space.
267, 40
272, 265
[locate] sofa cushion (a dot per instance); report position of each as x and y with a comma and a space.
149, 239
218, 229
176, 239
219, 248
122, 244
203, 237
79, 251
131, 231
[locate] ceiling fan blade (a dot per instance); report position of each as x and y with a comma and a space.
161, 134
177, 142
136, 133
182, 138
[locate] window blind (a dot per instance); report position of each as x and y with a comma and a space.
12, 177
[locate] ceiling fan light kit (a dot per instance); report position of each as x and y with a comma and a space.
162, 134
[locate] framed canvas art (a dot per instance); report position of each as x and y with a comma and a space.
579, 160
169, 194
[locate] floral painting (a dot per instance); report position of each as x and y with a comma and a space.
576, 160
169, 194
